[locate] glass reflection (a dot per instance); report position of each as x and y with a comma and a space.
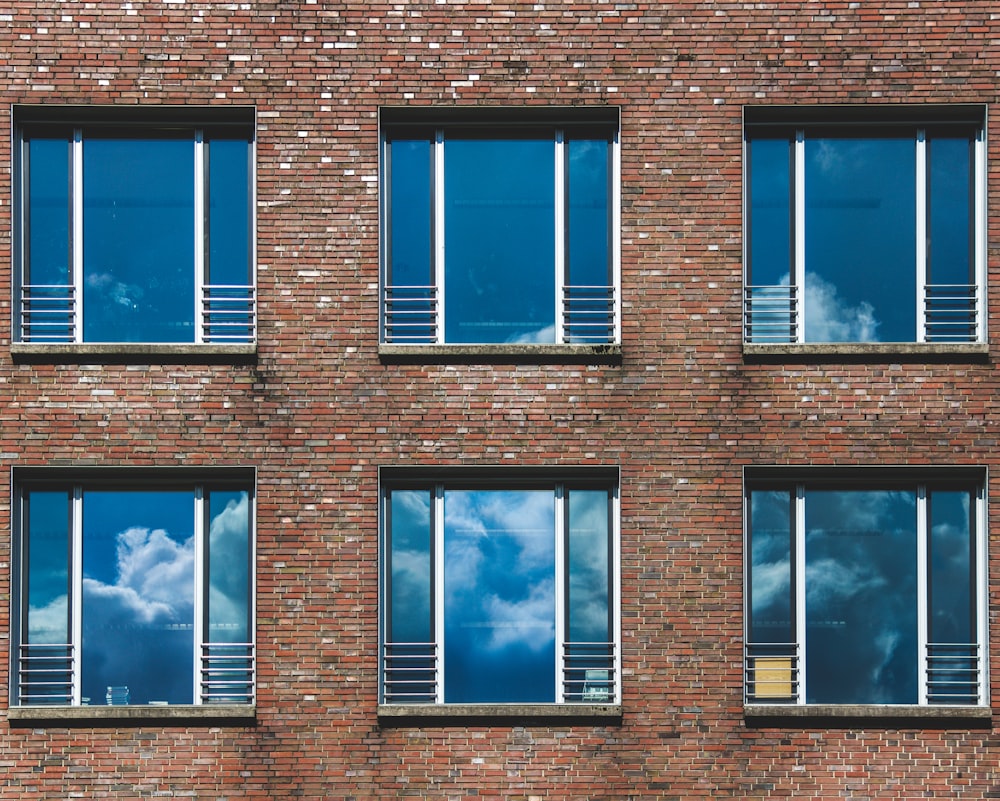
499, 551
47, 576
410, 555
587, 213
772, 618
411, 220
228, 558
138, 243
228, 212
138, 595
860, 240
499, 240
48, 210
861, 597
769, 199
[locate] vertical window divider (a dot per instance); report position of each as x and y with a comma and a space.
799, 573
616, 226
615, 586
560, 190
439, 250
437, 582
921, 234
923, 544
200, 593
979, 227
561, 534
200, 232
799, 235
979, 518
76, 593
76, 243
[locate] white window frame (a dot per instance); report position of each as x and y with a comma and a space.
602, 479
77, 482
560, 300
227, 310
858, 119
794, 675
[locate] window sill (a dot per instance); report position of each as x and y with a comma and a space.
785, 714
130, 353
517, 354
210, 714
401, 714
868, 352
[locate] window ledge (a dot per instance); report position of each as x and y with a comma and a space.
130, 352
874, 712
477, 354
868, 351
389, 714
215, 714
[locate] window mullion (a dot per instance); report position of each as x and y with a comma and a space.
437, 583
982, 609
921, 234
76, 195
799, 235
76, 592
561, 589
439, 248
799, 577
923, 511
560, 189
200, 592
979, 233
200, 212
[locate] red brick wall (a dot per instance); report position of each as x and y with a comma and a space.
318, 412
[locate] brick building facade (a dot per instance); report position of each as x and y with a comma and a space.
678, 414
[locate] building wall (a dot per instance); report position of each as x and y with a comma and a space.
317, 411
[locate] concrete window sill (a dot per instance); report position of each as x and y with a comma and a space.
206, 714
442, 714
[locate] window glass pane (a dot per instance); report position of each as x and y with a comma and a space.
951, 596
138, 596
138, 243
769, 193
588, 615
499, 596
47, 575
228, 567
860, 240
772, 618
587, 218
228, 212
410, 559
48, 213
861, 597
500, 241
410, 213
949, 210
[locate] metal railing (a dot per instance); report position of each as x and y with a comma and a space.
953, 673
229, 313
45, 674
48, 313
770, 314
409, 314
951, 312
589, 673
771, 673
227, 673
409, 673
588, 314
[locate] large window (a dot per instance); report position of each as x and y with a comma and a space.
500, 227
866, 587
499, 590
133, 590
865, 226
134, 227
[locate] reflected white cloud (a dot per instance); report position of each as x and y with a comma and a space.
829, 318
542, 336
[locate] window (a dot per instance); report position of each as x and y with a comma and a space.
133, 588
499, 590
134, 227
500, 227
866, 587
865, 225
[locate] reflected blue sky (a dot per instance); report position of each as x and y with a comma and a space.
499, 585
139, 229
860, 229
138, 599
499, 229
861, 586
